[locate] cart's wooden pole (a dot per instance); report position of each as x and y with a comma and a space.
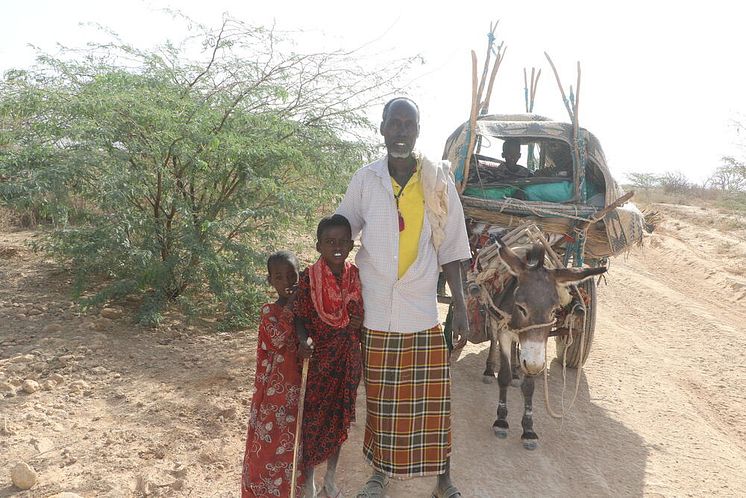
562, 90
472, 121
299, 425
498, 60
533, 88
483, 79
576, 104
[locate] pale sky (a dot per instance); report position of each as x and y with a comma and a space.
662, 80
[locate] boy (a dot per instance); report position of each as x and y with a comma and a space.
329, 310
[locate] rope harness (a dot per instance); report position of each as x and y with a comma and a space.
569, 322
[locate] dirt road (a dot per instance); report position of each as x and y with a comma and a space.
660, 411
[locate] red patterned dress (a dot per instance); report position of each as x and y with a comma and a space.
268, 461
334, 370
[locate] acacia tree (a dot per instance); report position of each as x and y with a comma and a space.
731, 175
181, 171
643, 181
674, 182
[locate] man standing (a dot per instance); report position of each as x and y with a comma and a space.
410, 220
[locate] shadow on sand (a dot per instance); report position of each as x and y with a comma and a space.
577, 456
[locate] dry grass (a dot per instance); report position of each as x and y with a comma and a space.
730, 202
725, 248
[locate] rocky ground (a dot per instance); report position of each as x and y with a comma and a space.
91, 405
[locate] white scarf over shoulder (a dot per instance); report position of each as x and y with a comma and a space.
434, 176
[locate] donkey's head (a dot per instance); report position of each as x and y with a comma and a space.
535, 300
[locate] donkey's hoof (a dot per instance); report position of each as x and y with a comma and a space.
500, 432
530, 440
530, 444
488, 379
500, 428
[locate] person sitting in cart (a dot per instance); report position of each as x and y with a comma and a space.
510, 169
558, 161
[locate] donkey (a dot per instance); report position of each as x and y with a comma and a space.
527, 315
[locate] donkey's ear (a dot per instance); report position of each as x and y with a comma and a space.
515, 264
567, 276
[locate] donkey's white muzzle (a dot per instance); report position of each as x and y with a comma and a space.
532, 357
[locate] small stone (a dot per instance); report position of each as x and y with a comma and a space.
66, 360
23, 476
33, 312
41, 445
30, 386
16, 367
99, 371
57, 378
39, 366
53, 328
48, 385
228, 413
79, 385
102, 324
111, 313
7, 389
65, 494
179, 472
24, 358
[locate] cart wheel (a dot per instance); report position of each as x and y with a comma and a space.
574, 359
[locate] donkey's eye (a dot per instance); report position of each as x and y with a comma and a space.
521, 310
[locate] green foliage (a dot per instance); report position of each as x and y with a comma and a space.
643, 180
172, 177
731, 175
733, 201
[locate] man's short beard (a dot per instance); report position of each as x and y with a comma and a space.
401, 155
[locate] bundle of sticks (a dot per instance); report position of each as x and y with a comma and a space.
480, 99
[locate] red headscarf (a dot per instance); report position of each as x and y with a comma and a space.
329, 298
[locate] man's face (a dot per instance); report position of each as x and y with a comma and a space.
400, 129
511, 153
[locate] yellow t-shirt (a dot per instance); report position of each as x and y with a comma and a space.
412, 209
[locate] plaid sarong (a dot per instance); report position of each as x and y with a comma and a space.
408, 391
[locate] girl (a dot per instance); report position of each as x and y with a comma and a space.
268, 461
329, 310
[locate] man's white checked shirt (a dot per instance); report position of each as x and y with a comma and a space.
391, 304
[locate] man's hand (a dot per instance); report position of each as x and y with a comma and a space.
459, 327
356, 321
459, 321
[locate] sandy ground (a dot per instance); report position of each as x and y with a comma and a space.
124, 411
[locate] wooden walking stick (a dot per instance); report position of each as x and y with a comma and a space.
299, 424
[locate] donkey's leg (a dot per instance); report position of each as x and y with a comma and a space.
488, 377
500, 427
529, 438
515, 367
